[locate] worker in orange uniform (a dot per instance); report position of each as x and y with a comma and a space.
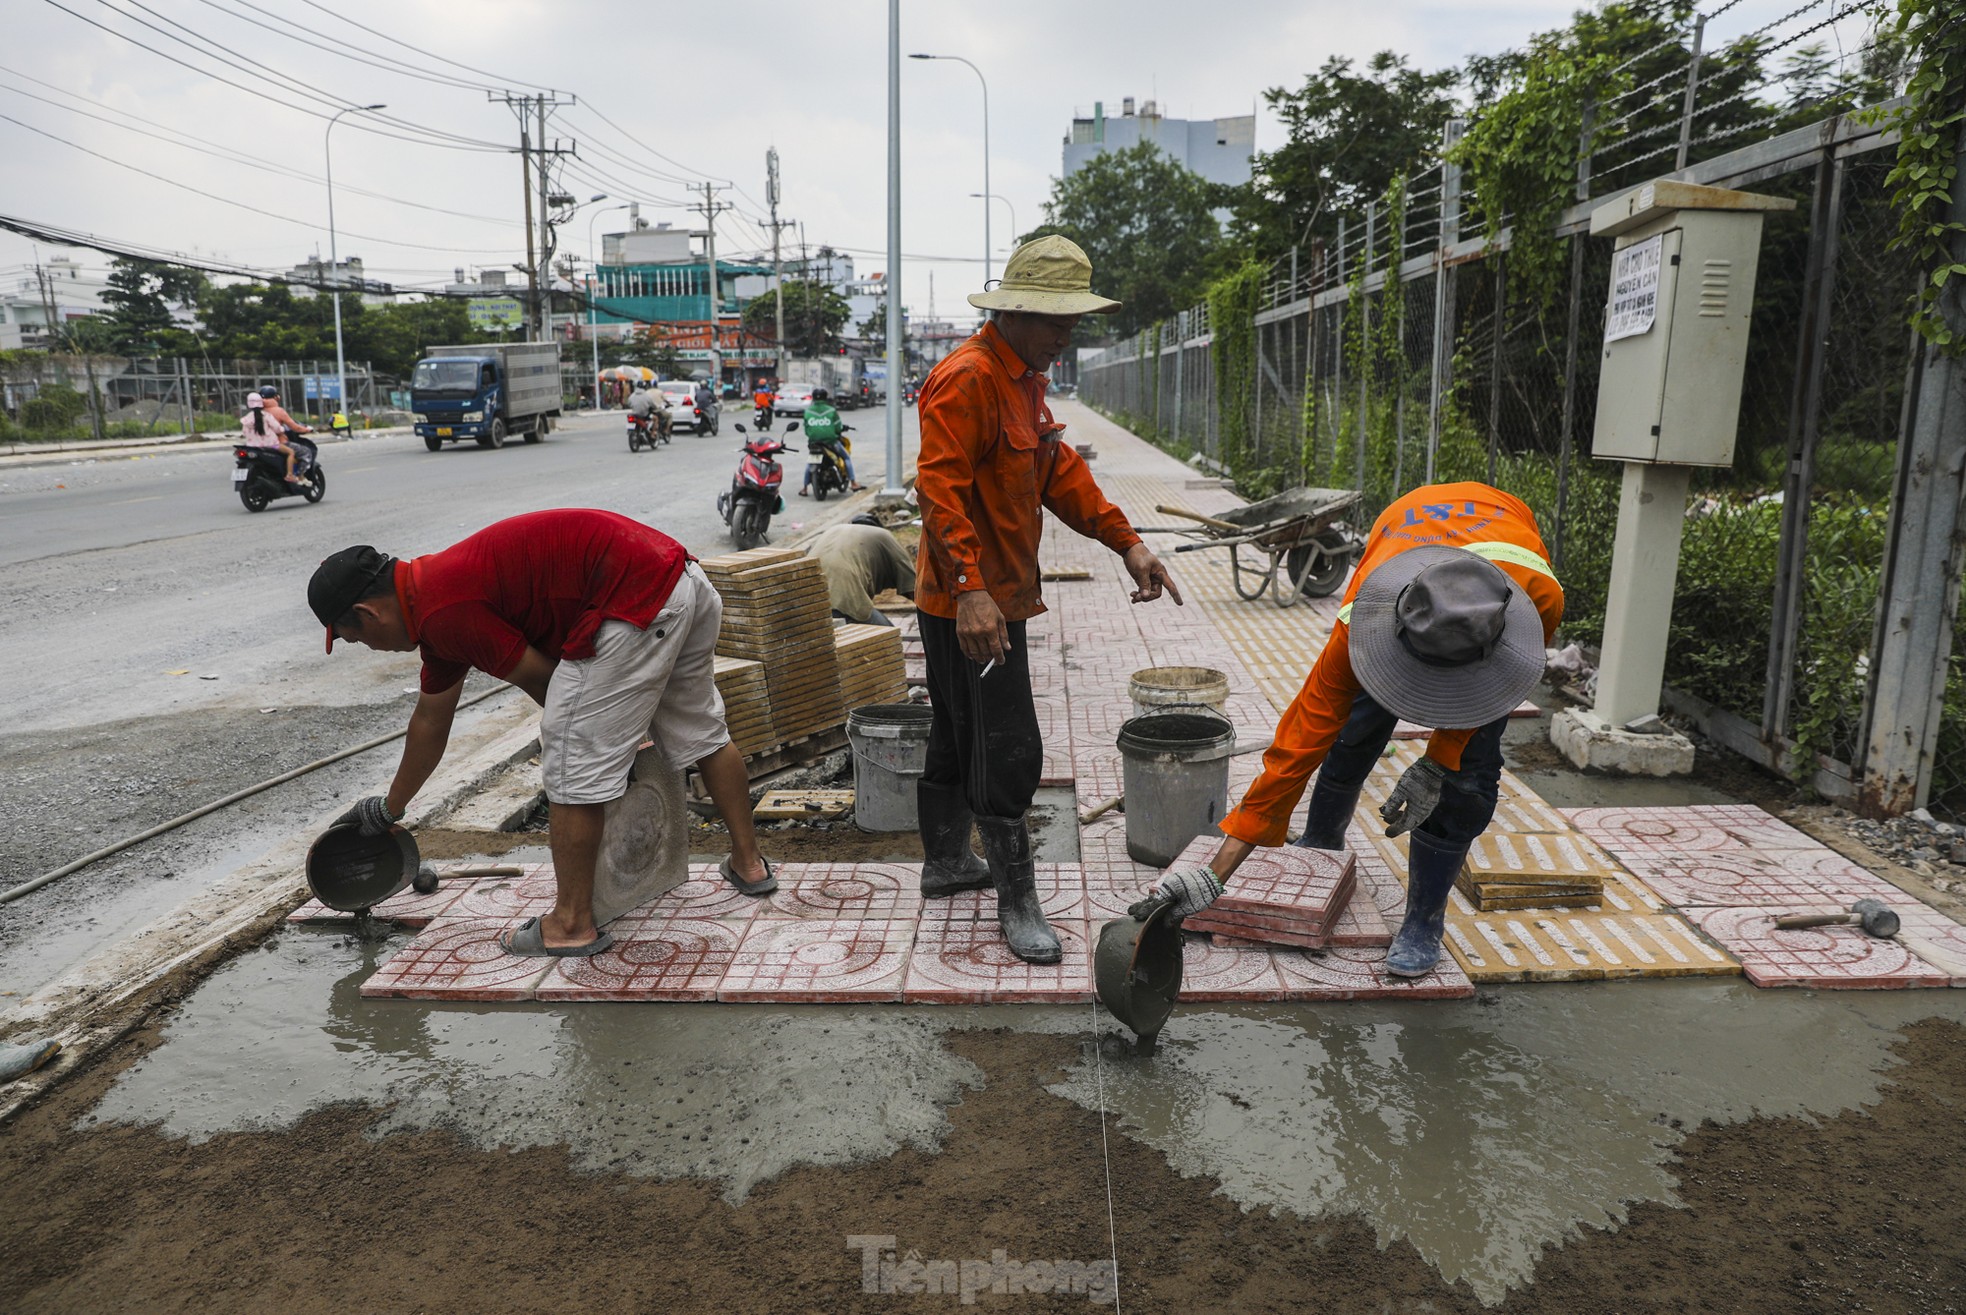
1445, 624
991, 465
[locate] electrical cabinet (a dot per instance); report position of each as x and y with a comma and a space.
1676, 324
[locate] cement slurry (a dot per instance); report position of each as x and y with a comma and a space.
1482, 1131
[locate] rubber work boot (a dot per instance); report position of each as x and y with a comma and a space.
951, 864
1330, 812
1007, 846
1431, 867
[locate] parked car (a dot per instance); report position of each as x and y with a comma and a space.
685, 412
793, 399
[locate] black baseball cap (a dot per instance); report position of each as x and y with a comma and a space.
342, 580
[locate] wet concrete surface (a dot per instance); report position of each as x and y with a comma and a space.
1480, 1131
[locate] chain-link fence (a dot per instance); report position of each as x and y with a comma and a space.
1404, 352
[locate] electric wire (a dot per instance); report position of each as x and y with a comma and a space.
1106, 1155
386, 63
431, 54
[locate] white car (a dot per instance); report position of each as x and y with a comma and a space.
683, 409
793, 399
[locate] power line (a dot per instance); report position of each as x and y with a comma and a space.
386, 63
431, 54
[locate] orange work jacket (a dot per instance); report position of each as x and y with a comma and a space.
1493, 524
991, 464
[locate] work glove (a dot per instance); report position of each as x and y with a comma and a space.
371, 814
1191, 889
1414, 799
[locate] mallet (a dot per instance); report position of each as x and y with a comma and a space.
1873, 915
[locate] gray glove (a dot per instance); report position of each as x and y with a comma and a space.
371, 814
1414, 799
1191, 889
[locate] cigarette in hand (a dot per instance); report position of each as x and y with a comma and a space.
987, 667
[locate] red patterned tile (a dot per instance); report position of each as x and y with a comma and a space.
1303, 884
1222, 972
705, 895
1768, 877
1687, 827
513, 898
968, 962
458, 959
406, 908
1830, 957
818, 961
651, 959
868, 891
1061, 894
1360, 974
1275, 924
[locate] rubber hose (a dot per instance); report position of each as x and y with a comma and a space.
29, 887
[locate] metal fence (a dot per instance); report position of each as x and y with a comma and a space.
1814, 625
178, 390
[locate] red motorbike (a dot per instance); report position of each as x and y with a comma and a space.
754, 490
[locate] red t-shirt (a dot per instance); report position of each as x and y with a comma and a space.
546, 579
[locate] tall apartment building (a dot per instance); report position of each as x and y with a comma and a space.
1218, 149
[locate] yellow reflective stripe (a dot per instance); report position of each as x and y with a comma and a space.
1512, 553
1345, 614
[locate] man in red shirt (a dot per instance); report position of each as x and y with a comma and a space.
991, 465
609, 626
1445, 625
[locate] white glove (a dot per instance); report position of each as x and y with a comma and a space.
1414, 799
371, 814
1191, 889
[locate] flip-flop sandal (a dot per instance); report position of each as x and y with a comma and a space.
763, 886
528, 941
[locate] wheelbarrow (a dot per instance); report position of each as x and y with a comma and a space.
1304, 545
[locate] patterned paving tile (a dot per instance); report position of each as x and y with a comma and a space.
1689, 827
1572, 945
513, 898
818, 961
1359, 974
1935, 938
1791, 878
1306, 885
706, 895
1213, 971
458, 959
1835, 957
1061, 894
868, 891
651, 959
406, 908
967, 962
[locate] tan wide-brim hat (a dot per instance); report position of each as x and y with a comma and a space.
1046, 276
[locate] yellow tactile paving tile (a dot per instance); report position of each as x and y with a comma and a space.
1563, 945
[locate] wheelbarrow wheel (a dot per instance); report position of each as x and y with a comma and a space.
1320, 578
1262, 576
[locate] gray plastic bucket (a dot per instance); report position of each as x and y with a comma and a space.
890, 748
1175, 766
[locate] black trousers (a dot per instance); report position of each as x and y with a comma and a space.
985, 736
1467, 797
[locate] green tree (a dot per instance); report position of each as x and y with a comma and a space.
1149, 226
140, 296
1349, 133
814, 316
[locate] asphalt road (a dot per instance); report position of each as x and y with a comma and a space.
158, 651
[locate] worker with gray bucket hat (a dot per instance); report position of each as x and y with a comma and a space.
1445, 624
991, 465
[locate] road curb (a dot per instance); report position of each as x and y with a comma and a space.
27, 456
100, 999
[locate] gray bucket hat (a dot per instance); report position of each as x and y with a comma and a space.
1048, 275
1444, 638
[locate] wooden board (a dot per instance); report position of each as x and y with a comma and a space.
803, 805
777, 615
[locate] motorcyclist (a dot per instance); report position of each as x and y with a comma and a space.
258, 431
650, 409
824, 430
762, 397
278, 414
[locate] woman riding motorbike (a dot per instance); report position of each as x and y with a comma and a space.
260, 431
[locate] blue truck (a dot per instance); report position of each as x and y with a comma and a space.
486, 392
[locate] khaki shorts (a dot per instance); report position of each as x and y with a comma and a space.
655, 684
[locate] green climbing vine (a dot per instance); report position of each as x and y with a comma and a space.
1520, 159
1930, 123
1232, 301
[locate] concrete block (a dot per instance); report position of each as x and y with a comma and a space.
644, 841
1591, 743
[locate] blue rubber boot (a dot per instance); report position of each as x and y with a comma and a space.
1329, 813
1431, 868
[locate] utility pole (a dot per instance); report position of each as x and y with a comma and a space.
532, 112
710, 209
777, 270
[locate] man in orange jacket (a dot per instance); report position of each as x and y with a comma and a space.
1445, 624
991, 465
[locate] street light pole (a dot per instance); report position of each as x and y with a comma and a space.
334, 256
986, 154
896, 349
594, 261
994, 196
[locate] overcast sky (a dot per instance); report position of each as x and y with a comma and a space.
710, 87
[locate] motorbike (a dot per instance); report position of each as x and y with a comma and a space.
754, 490
645, 433
763, 417
829, 463
259, 474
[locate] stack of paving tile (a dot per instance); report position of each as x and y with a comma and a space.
872, 669
747, 704
1280, 896
1510, 870
776, 612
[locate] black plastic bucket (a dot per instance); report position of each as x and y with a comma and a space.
349, 871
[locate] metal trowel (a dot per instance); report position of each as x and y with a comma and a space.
1136, 967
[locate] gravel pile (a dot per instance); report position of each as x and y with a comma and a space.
1919, 841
